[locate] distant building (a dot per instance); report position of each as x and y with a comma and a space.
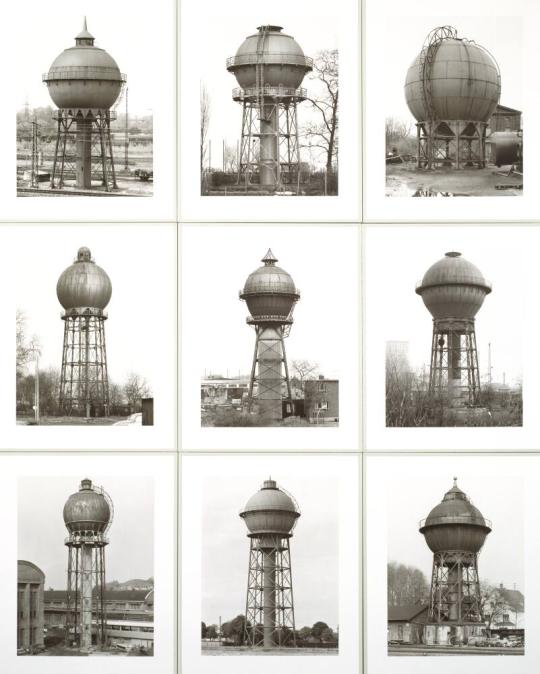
30, 606
129, 616
406, 623
508, 610
224, 390
504, 119
321, 399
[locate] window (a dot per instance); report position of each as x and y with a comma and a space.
322, 404
321, 386
506, 617
400, 631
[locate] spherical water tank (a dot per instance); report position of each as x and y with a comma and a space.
87, 510
84, 76
270, 290
464, 83
270, 512
453, 288
84, 284
455, 524
282, 57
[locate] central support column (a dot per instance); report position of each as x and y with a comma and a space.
270, 374
84, 153
269, 144
269, 596
86, 597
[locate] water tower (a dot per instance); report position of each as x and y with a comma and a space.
270, 295
84, 290
453, 291
270, 516
88, 515
452, 88
269, 67
84, 81
455, 531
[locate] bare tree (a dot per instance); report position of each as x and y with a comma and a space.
230, 158
406, 585
491, 603
136, 388
25, 348
323, 132
396, 130
302, 370
205, 123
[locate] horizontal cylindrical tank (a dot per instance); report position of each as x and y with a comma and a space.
464, 82
455, 524
87, 510
84, 76
282, 58
270, 511
506, 147
270, 290
84, 284
453, 288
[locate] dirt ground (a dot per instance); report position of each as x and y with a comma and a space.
404, 180
243, 650
69, 421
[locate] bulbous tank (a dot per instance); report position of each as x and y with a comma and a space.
455, 524
270, 290
87, 510
84, 284
84, 76
270, 511
284, 62
453, 288
464, 83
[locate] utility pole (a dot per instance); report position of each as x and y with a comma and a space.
489, 363
126, 136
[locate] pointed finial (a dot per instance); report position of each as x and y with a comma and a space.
84, 26
269, 259
84, 37
455, 482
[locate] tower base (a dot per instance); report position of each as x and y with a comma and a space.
454, 144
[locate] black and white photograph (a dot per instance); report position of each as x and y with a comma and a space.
449, 565
449, 327
275, 361
85, 582
273, 128
277, 549
85, 126
453, 116
94, 322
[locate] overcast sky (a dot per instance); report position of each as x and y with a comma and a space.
217, 263
314, 547
41, 528
501, 36
403, 315
126, 35
226, 33
410, 499
138, 272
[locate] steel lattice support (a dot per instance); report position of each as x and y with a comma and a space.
269, 370
454, 371
86, 591
84, 385
269, 601
269, 144
455, 588
456, 144
83, 149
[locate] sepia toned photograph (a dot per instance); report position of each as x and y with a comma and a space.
85, 571
450, 359
273, 127
455, 578
85, 126
453, 115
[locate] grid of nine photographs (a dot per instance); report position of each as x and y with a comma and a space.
307, 375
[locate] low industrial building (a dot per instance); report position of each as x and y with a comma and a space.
321, 400
30, 606
406, 623
129, 616
224, 390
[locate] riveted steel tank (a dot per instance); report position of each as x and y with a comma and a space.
87, 510
285, 64
453, 288
84, 76
84, 284
270, 512
270, 290
455, 524
464, 83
